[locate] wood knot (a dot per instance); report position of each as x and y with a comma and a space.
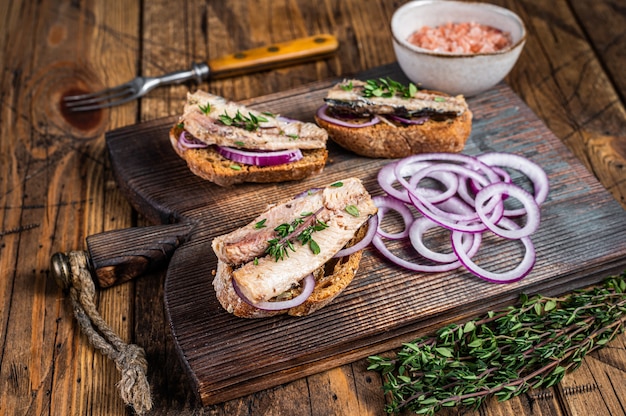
49, 120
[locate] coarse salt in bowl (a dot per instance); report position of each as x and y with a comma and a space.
452, 72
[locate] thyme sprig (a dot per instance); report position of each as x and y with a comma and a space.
300, 229
387, 88
249, 122
505, 353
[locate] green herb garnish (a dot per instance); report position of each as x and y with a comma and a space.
346, 87
388, 88
260, 224
206, 109
235, 167
250, 122
337, 184
293, 136
300, 230
352, 210
504, 353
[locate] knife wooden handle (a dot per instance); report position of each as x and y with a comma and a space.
121, 255
273, 56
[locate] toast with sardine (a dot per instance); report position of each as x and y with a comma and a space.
383, 118
227, 143
297, 255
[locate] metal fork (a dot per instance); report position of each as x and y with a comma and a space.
272, 56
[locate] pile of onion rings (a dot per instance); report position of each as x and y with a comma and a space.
468, 200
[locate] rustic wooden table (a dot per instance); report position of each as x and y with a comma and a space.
57, 188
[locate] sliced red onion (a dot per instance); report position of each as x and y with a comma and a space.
426, 268
372, 226
519, 272
409, 121
387, 180
385, 203
463, 211
471, 242
260, 158
186, 141
322, 114
466, 222
464, 190
450, 159
531, 208
308, 285
538, 177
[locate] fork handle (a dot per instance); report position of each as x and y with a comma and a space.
273, 56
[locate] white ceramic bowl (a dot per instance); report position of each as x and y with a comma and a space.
467, 74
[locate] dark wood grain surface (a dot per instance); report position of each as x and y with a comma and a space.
57, 186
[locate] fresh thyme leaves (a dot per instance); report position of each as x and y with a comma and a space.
250, 122
387, 88
299, 229
352, 210
206, 109
181, 125
235, 167
346, 87
293, 136
260, 224
504, 353
337, 184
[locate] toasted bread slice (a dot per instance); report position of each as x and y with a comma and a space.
384, 140
208, 164
330, 281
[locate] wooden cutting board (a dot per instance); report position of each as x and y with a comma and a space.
582, 239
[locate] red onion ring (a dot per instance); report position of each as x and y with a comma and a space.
519, 272
372, 226
466, 222
308, 285
416, 236
496, 190
260, 158
385, 203
322, 114
387, 179
380, 245
186, 142
409, 121
537, 176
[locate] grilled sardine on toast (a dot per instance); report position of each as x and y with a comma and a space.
249, 256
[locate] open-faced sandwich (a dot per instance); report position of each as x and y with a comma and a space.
297, 255
385, 119
227, 143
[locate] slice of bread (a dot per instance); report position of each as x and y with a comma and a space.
330, 281
384, 140
208, 164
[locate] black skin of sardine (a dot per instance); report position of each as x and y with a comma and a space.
351, 107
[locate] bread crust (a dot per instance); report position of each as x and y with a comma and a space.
330, 280
383, 140
208, 164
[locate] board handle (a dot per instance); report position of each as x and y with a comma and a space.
121, 255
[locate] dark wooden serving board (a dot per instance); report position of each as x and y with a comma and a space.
582, 239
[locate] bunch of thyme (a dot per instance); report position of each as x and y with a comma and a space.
504, 353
